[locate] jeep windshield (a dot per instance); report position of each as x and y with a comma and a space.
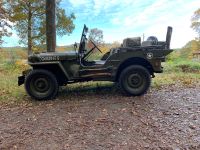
83, 52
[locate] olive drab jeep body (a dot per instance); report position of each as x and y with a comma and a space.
132, 65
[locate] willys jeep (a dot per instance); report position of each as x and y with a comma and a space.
132, 65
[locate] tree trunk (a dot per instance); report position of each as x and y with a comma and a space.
50, 25
29, 30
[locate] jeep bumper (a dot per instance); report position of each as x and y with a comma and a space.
21, 80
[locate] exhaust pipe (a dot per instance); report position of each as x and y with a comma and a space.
168, 37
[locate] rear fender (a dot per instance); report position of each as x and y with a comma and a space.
134, 61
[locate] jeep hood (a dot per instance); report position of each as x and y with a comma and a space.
52, 56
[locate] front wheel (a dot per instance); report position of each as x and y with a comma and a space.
41, 85
135, 80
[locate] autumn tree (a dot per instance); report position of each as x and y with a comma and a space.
190, 48
30, 22
96, 35
196, 22
4, 21
115, 44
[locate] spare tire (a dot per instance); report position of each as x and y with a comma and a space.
153, 40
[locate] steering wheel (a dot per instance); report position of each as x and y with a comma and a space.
95, 46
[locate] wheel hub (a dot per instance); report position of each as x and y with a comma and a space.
41, 85
134, 80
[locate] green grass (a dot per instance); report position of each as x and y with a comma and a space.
179, 71
184, 72
172, 78
9, 90
187, 66
9, 72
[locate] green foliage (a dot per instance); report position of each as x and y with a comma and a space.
4, 20
178, 70
65, 24
178, 78
9, 71
174, 55
96, 35
187, 51
182, 65
196, 21
30, 22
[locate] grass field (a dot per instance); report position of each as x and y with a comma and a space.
183, 72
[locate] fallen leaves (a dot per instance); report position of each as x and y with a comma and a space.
161, 118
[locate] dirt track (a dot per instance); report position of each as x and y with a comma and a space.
162, 119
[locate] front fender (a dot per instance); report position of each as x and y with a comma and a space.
40, 64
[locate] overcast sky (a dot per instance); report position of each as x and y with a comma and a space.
120, 19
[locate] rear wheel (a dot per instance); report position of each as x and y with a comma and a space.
135, 80
41, 85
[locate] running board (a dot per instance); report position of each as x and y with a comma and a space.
96, 71
97, 75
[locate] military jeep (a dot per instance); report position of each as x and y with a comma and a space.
132, 65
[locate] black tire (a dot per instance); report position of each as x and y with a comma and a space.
41, 85
135, 80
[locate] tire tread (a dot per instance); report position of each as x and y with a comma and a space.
47, 73
129, 68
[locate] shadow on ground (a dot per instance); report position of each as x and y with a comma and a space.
96, 89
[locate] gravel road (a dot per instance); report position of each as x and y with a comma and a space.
165, 118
